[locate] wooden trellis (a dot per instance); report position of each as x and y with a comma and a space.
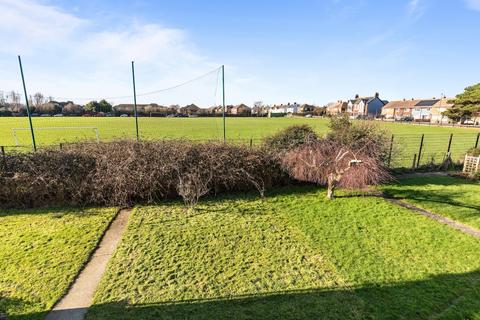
471, 164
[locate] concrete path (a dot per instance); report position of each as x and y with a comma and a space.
452, 223
74, 305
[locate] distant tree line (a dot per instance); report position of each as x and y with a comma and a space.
11, 105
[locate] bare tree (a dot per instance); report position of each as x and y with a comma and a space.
14, 98
3, 101
38, 99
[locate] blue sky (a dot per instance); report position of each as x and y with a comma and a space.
274, 51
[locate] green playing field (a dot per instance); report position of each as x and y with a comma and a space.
55, 130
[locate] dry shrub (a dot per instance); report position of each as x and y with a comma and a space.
43, 178
290, 138
121, 173
366, 136
329, 163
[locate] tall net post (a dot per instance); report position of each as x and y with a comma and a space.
27, 105
135, 101
223, 109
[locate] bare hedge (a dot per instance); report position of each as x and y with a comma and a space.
122, 173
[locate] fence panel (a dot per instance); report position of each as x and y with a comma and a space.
433, 150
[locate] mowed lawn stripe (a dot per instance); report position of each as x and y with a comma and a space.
41, 251
295, 255
226, 260
402, 265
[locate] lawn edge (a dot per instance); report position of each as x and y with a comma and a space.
87, 260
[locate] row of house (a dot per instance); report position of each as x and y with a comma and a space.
426, 110
236, 110
191, 109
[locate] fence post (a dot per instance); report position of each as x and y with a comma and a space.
478, 137
61, 146
251, 142
414, 161
390, 152
420, 150
450, 142
4, 158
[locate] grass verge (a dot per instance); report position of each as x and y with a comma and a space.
41, 251
455, 198
293, 256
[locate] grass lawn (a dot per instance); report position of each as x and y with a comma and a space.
40, 253
455, 198
241, 130
293, 256
192, 128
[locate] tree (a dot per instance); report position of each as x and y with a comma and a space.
331, 164
101, 106
15, 104
104, 106
466, 104
51, 107
72, 109
91, 106
352, 155
38, 99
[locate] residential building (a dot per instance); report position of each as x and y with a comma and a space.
365, 107
418, 110
438, 109
190, 109
399, 109
306, 108
336, 108
241, 110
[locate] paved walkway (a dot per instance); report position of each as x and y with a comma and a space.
454, 224
74, 305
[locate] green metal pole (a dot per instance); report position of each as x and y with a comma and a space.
450, 143
223, 110
420, 150
28, 106
135, 101
390, 151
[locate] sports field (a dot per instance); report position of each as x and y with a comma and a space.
53, 130
74, 128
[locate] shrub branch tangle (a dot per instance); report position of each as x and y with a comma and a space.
122, 173
351, 156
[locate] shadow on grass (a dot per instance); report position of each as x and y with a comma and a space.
446, 296
403, 190
452, 296
56, 212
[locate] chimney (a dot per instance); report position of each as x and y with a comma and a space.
377, 94
357, 96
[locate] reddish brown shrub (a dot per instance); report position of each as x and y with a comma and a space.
327, 162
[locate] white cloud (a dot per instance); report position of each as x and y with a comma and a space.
473, 4
26, 24
67, 56
416, 9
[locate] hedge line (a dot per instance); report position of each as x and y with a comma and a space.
124, 172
